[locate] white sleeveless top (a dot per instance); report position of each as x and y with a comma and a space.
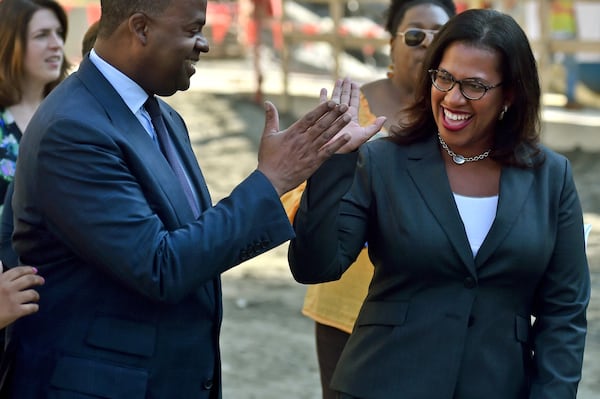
477, 214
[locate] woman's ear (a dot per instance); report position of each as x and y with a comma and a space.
509, 97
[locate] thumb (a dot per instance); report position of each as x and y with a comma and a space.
375, 126
271, 119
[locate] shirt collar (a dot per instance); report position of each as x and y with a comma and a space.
133, 95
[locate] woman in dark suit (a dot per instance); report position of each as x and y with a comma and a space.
475, 230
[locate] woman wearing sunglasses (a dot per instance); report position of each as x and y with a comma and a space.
334, 306
475, 229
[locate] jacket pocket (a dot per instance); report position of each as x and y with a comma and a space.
79, 378
124, 336
383, 313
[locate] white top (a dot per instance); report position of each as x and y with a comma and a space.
477, 214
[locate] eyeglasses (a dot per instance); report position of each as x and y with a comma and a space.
413, 37
471, 88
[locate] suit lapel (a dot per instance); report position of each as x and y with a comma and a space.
515, 185
149, 154
426, 169
140, 142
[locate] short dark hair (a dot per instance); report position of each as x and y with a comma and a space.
114, 12
395, 13
89, 38
15, 16
516, 139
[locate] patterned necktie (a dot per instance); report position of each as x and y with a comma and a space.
168, 150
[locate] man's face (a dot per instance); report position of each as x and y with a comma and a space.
175, 41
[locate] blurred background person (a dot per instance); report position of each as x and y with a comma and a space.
334, 306
475, 229
32, 63
587, 15
89, 38
563, 26
255, 16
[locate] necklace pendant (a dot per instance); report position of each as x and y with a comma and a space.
458, 159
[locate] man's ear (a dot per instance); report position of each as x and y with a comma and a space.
138, 26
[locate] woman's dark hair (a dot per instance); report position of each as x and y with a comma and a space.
397, 10
15, 16
89, 38
516, 139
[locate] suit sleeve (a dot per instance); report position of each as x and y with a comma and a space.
561, 301
330, 225
97, 205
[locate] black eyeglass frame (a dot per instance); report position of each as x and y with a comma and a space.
433, 74
425, 33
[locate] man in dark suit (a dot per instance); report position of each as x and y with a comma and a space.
127, 239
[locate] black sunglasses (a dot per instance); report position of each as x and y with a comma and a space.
413, 37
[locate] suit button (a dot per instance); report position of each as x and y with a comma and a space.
469, 282
471, 321
208, 384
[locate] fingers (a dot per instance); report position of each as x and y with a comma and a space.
26, 297
20, 278
337, 91
18, 272
29, 308
10, 312
346, 91
330, 109
323, 96
271, 119
327, 127
335, 145
354, 100
27, 281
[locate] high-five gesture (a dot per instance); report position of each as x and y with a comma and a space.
290, 156
349, 93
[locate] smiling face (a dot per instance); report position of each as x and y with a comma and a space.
468, 126
44, 53
174, 44
408, 61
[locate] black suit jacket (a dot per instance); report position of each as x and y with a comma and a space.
131, 307
438, 322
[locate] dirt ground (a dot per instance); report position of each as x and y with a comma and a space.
268, 349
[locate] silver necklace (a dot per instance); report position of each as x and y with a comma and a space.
459, 159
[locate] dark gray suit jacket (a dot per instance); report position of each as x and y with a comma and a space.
437, 322
131, 307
